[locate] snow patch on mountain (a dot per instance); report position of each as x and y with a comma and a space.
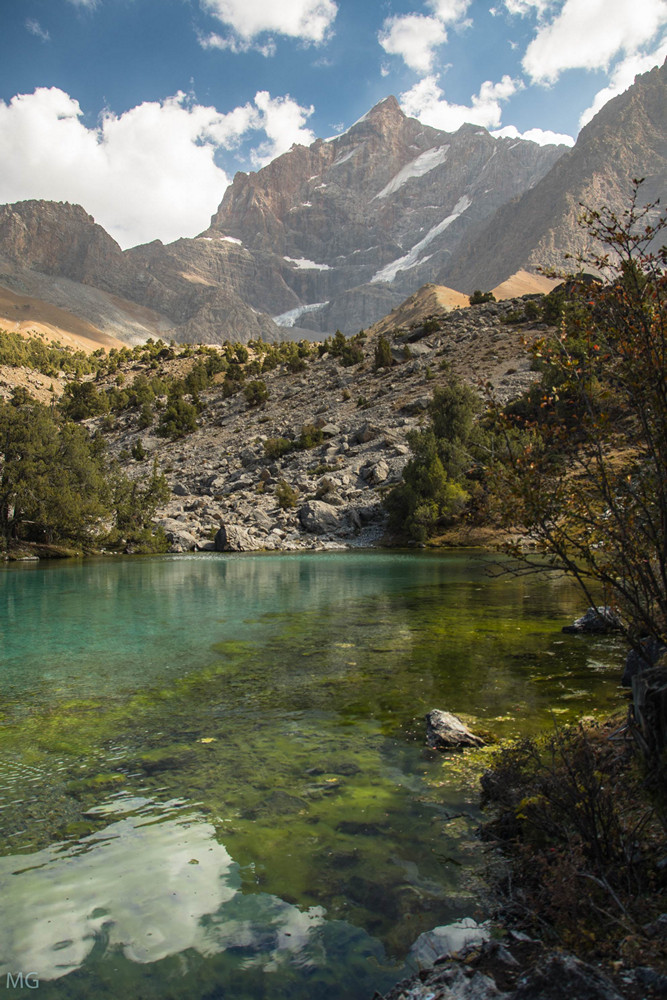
411, 259
303, 264
424, 163
290, 317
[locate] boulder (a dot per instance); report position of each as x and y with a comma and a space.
319, 517
596, 621
562, 976
445, 731
179, 538
445, 940
234, 538
636, 660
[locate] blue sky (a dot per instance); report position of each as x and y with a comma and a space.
143, 110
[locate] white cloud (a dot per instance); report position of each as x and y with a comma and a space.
148, 173
283, 120
449, 11
623, 77
35, 28
236, 44
523, 7
309, 20
426, 101
588, 34
85, 3
543, 137
413, 37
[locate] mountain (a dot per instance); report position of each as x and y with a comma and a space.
349, 226
339, 233
326, 236
626, 139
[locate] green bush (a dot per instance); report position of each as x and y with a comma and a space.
178, 419
310, 436
256, 392
478, 297
286, 496
277, 447
382, 357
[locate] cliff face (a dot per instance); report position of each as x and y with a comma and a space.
627, 139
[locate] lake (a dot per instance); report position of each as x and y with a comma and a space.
213, 776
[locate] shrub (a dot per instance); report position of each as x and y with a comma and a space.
178, 419
286, 496
276, 447
310, 436
478, 297
139, 453
382, 357
256, 392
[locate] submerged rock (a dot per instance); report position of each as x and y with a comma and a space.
445, 731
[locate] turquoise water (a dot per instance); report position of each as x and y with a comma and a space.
213, 775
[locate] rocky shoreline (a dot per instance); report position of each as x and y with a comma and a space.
228, 471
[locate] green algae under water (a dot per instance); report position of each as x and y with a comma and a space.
213, 780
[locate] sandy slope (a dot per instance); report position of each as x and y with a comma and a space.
27, 315
524, 283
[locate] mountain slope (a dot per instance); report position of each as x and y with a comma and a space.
626, 139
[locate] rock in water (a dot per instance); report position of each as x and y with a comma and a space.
596, 621
445, 731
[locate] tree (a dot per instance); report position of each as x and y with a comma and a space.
256, 392
382, 357
53, 483
587, 478
434, 490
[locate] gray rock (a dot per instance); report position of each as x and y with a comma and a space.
234, 538
596, 621
445, 731
562, 976
445, 940
319, 517
636, 661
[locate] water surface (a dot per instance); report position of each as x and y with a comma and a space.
213, 776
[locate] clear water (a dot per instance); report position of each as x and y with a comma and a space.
213, 779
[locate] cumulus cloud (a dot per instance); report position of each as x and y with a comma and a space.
449, 11
588, 34
148, 173
414, 37
426, 101
622, 77
310, 21
283, 120
543, 137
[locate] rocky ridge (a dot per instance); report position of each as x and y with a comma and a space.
627, 139
222, 477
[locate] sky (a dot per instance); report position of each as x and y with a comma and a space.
143, 110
